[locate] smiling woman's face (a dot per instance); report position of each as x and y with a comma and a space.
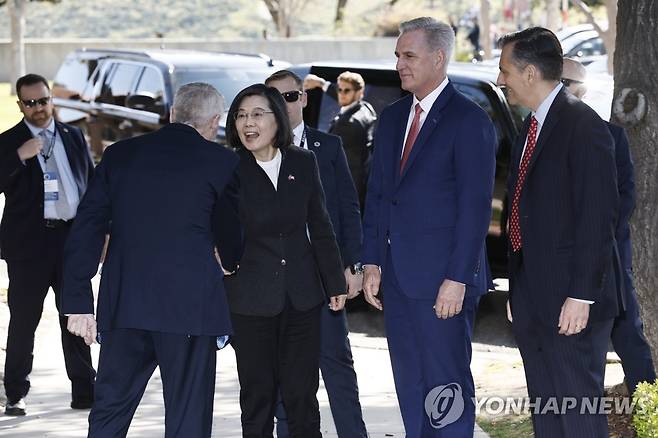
256, 124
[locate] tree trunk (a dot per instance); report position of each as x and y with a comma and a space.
340, 13
553, 18
485, 28
635, 107
16, 9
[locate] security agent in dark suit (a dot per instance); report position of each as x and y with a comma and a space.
290, 268
336, 361
627, 331
563, 213
44, 170
354, 124
161, 300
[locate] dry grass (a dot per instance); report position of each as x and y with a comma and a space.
9, 113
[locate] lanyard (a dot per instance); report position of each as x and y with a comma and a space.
50, 148
302, 141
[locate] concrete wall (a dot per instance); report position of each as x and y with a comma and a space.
45, 56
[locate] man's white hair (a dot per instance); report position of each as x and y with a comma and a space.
196, 103
439, 35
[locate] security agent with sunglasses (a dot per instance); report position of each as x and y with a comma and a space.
44, 171
336, 361
627, 331
354, 123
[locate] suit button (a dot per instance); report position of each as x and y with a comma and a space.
394, 202
283, 262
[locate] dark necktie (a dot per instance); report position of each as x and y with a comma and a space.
515, 226
411, 137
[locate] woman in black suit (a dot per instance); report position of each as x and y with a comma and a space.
290, 265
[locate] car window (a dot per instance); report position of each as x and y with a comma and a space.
588, 48
120, 83
150, 85
72, 76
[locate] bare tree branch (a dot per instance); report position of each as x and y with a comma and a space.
580, 4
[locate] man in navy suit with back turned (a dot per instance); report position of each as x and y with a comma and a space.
563, 213
627, 331
428, 208
44, 170
161, 300
342, 203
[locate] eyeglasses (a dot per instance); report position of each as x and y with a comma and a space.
345, 90
30, 103
569, 82
292, 96
256, 115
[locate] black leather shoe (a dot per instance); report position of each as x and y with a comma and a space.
15, 409
81, 404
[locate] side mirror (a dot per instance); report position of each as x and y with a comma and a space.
141, 102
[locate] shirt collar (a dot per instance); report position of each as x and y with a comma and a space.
35, 130
542, 109
428, 101
348, 107
297, 133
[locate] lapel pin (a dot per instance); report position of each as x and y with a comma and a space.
316, 144
291, 177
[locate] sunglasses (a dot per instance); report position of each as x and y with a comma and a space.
31, 103
569, 82
292, 96
345, 90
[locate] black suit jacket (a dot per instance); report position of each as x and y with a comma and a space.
340, 194
22, 229
279, 261
568, 212
157, 194
356, 128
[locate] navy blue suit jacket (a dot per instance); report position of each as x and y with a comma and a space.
22, 230
568, 212
156, 195
340, 194
626, 188
437, 213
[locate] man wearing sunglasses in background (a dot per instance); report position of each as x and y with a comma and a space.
627, 331
342, 204
44, 170
354, 124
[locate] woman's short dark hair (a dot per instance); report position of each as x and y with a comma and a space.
537, 46
283, 136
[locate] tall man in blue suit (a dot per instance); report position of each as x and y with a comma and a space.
627, 331
342, 201
161, 300
563, 213
428, 209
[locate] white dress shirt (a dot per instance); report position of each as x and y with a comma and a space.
298, 133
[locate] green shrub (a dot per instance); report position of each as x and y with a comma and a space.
645, 417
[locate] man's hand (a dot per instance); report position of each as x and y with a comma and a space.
372, 278
449, 300
573, 317
30, 148
354, 283
338, 302
313, 81
83, 325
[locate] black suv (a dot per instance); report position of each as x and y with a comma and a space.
117, 94
476, 82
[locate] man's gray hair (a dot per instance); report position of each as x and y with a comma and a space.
439, 35
196, 103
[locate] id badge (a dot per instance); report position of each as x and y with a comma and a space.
50, 186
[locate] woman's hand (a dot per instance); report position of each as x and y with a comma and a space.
337, 303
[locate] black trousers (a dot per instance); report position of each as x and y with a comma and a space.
560, 367
29, 281
279, 353
127, 360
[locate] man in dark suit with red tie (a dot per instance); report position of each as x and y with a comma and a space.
44, 170
563, 211
428, 208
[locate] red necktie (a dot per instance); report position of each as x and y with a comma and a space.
514, 225
411, 137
